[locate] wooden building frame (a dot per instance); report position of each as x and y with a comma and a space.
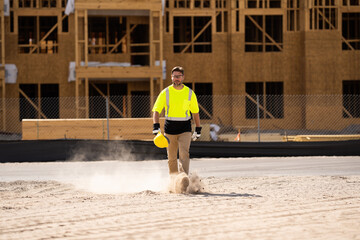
37, 9
308, 60
84, 73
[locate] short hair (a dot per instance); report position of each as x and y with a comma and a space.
177, 69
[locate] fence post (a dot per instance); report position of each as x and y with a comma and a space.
107, 118
258, 115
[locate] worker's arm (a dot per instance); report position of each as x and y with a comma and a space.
196, 119
156, 123
156, 117
197, 132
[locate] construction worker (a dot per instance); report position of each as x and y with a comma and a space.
179, 101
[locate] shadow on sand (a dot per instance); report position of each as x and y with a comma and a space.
207, 194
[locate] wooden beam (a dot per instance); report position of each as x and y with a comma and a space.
161, 46
39, 99
2, 74
117, 72
3, 40
34, 129
151, 94
151, 39
178, 12
77, 96
3, 97
77, 62
265, 11
123, 5
36, 11
86, 36
86, 97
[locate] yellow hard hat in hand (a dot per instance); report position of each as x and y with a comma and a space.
161, 141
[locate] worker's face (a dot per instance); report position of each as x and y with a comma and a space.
177, 78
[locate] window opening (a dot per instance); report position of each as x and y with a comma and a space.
181, 3
28, 97
220, 3
271, 102
351, 2
65, 23
204, 93
117, 96
115, 92
27, 3
12, 21
97, 34
167, 19
117, 35
274, 100
351, 99
323, 15
37, 35
27, 33
192, 34
252, 90
263, 33
48, 3
202, 3
263, 3
48, 35
139, 45
49, 100
38, 101
351, 31
107, 35
293, 15
97, 100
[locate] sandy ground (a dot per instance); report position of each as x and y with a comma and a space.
243, 198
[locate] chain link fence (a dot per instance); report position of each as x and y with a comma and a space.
244, 118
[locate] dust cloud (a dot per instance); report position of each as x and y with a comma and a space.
116, 170
113, 169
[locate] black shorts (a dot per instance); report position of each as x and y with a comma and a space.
177, 127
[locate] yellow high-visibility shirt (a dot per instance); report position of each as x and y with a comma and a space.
177, 103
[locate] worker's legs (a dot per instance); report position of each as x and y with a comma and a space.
184, 141
172, 150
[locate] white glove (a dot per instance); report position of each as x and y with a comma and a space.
156, 128
196, 134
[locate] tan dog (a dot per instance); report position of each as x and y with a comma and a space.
179, 183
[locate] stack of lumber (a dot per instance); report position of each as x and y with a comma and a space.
119, 129
320, 138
